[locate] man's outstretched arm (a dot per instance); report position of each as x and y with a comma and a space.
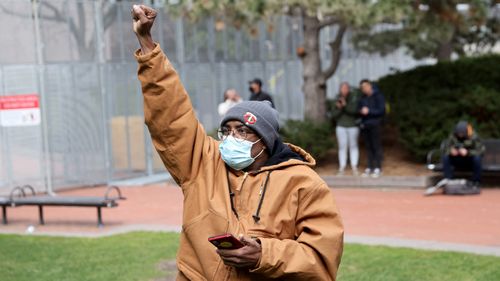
176, 133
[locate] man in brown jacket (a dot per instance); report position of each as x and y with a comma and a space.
248, 183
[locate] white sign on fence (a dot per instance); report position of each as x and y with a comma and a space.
19, 110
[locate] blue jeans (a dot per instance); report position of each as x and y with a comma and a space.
466, 163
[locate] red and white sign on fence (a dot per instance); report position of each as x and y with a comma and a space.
19, 110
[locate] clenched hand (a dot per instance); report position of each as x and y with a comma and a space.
143, 19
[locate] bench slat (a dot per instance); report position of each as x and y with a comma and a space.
64, 201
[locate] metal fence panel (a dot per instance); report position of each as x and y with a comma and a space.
16, 33
75, 127
21, 146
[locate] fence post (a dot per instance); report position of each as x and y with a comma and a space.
43, 98
4, 146
283, 50
101, 62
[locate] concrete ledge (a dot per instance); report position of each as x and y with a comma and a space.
100, 232
381, 182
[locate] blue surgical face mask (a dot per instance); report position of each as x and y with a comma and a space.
237, 153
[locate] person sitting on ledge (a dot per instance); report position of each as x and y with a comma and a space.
463, 150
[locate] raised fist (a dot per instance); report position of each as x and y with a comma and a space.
143, 18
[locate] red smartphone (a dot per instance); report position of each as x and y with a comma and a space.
225, 241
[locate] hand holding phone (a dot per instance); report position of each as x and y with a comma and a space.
226, 241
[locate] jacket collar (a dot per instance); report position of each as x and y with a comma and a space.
302, 158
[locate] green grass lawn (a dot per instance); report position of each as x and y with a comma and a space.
132, 256
378, 263
142, 256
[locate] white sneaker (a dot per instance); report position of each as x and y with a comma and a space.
366, 173
376, 173
431, 190
340, 172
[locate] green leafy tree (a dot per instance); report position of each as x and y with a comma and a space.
316, 15
438, 29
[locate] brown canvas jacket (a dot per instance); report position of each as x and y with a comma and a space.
300, 229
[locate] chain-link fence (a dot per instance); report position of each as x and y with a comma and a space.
77, 57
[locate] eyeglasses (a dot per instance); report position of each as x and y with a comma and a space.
239, 133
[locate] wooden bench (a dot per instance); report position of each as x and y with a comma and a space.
490, 160
26, 196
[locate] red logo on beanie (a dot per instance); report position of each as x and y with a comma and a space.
249, 118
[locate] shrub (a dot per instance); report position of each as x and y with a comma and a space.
428, 101
313, 137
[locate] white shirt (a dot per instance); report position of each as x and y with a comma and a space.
226, 105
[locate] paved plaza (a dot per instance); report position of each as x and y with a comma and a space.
390, 216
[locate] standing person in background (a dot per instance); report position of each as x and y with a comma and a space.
372, 110
256, 92
231, 98
345, 113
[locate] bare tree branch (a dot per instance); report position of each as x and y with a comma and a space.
77, 24
81, 19
21, 15
110, 16
335, 46
329, 21
289, 12
296, 10
57, 14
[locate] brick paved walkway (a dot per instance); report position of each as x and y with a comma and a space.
384, 214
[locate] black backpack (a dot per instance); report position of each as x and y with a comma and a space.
454, 187
460, 187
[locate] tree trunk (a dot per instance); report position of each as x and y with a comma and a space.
314, 87
445, 47
444, 51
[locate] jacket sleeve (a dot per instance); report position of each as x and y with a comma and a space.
477, 148
448, 144
361, 103
378, 110
177, 135
352, 106
335, 110
316, 253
